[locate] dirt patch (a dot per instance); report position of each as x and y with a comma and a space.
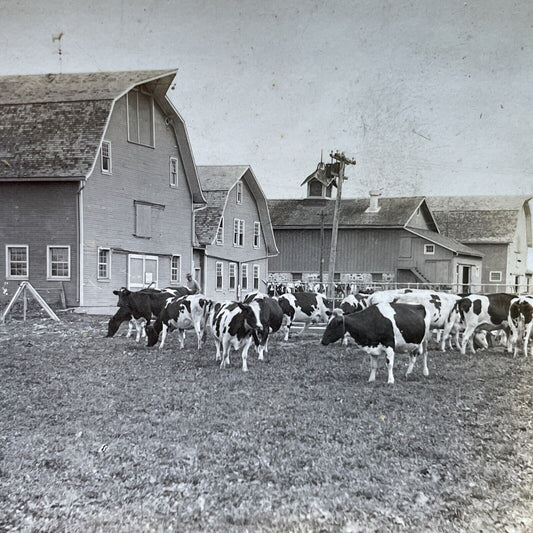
104, 434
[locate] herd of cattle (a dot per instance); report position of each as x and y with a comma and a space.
387, 321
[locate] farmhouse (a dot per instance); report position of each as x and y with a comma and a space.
497, 226
234, 232
380, 241
97, 184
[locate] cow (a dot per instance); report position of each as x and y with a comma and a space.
385, 327
354, 303
233, 325
477, 311
307, 307
270, 315
520, 322
181, 313
140, 306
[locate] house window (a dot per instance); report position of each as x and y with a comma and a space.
104, 263
238, 232
219, 273
58, 261
239, 192
232, 276
140, 117
257, 234
244, 277
17, 261
256, 277
174, 172
175, 269
429, 249
106, 157
220, 232
495, 275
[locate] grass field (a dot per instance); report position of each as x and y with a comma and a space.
106, 435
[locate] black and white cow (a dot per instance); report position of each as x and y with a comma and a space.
270, 316
384, 328
233, 325
477, 311
140, 306
520, 322
182, 313
307, 307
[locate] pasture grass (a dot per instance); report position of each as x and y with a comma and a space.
108, 435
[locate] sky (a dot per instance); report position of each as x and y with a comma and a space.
431, 97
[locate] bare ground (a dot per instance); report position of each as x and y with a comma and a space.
106, 435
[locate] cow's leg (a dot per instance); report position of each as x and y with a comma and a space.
131, 324
218, 345
226, 347
199, 334
244, 354
305, 328
526, 338
390, 363
163, 335
181, 338
446, 333
467, 334
423, 350
373, 367
286, 327
139, 325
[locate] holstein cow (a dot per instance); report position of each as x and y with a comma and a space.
140, 306
185, 312
307, 307
476, 311
233, 325
270, 315
385, 327
520, 321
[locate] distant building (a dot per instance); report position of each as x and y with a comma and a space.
497, 226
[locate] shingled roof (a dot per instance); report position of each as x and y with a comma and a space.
217, 182
51, 125
479, 219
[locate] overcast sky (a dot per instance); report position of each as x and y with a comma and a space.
431, 97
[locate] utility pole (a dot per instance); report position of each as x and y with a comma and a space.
343, 161
322, 215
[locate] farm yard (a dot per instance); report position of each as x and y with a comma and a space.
103, 434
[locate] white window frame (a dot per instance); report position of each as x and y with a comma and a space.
257, 234
220, 232
49, 275
173, 170
427, 248
491, 276
103, 157
244, 268
219, 264
8, 262
238, 232
256, 275
108, 264
144, 258
172, 269
238, 196
138, 89
232, 267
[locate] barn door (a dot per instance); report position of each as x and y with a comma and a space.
142, 271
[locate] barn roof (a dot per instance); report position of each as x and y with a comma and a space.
480, 219
217, 182
445, 242
393, 212
51, 125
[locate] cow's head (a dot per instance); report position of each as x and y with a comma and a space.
335, 329
123, 295
152, 335
251, 321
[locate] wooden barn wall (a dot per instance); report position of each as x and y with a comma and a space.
40, 215
495, 259
139, 173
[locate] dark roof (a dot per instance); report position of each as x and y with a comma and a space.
393, 212
478, 219
445, 242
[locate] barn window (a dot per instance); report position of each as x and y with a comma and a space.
257, 234
238, 232
429, 249
244, 277
58, 261
232, 276
315, 188
17, 261
106, 157
104, 263
140, 117
239, 192
174, 172
175, 269
495, 275
219, 268
256, 277
220, 232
